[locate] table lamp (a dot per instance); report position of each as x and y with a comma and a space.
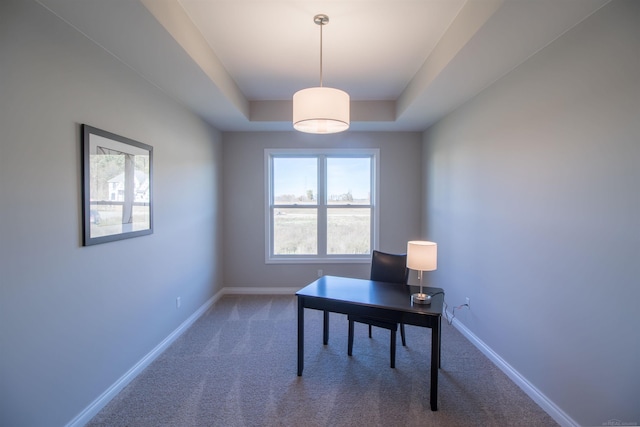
422, 256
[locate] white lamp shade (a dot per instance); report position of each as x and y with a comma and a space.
422, 255
321, 110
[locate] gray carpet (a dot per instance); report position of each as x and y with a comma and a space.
236, 366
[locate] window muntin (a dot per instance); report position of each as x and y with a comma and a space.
320, 205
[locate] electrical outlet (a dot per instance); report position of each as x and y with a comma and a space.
469, 303
319, 273
178, 302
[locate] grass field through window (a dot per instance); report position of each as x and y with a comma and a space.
295, 231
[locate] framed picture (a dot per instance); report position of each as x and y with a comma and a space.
117, 187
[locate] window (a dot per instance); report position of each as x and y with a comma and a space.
321, 205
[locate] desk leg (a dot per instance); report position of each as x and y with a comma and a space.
325, 328
300, 336
440, 342
435, 364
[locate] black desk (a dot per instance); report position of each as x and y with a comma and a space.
386, 301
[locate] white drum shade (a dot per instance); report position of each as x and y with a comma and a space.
422, 255
321, 110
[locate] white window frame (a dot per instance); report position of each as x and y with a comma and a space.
320, 258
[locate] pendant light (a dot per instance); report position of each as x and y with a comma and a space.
321, 109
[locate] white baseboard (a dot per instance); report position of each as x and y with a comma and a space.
536, 395
90, 411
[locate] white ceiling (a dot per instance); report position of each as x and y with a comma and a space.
405, 63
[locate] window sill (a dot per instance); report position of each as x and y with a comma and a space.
364, 259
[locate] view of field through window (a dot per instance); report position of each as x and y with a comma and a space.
302, 209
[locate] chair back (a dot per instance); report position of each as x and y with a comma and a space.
389, 267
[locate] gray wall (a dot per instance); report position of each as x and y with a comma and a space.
532, 192
244, 207
74, 319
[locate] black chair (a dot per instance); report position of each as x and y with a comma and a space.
384, 268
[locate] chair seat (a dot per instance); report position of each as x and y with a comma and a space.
392, 326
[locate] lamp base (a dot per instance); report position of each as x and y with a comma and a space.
421, 299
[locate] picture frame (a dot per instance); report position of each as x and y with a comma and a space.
117, 187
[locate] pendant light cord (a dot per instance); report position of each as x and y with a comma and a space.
321, 25
321, 20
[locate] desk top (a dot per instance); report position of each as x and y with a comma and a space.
373, 294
